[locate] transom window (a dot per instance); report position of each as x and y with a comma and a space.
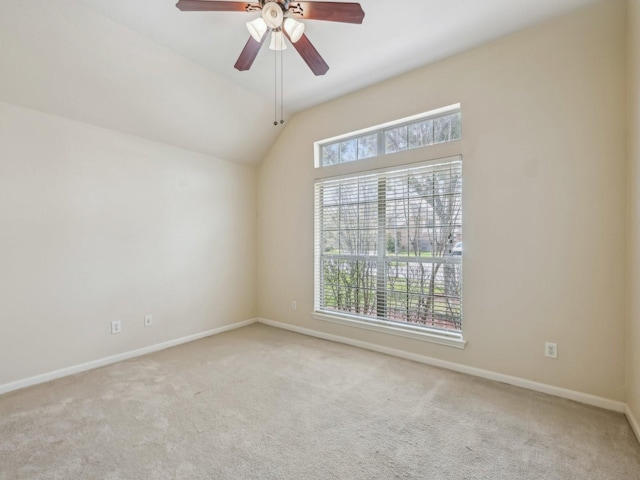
389, 246
424, 131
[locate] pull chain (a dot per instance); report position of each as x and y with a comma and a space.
275, 82
275, 87
282, 86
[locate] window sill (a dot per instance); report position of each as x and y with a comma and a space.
426, 335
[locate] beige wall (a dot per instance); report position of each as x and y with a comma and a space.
98, 226
544, 211
633, 348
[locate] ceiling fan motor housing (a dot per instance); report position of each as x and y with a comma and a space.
283, 3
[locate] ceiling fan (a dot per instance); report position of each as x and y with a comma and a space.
280, 18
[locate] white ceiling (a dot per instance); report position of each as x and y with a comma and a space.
144, 67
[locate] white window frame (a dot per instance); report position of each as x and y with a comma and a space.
435, 335
379, 131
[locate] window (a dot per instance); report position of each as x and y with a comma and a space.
428, 129
388, 248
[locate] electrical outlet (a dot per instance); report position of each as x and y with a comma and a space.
550, 349
294, 305
148, 320
116, 326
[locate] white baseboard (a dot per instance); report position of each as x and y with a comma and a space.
516, 381
633, 421
456, 367
63, 372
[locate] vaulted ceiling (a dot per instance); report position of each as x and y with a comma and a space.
145, 68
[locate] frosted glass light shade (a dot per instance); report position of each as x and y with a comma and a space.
294, 29
257, 28
272, 14
277, 41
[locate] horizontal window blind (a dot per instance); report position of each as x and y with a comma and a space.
388, 246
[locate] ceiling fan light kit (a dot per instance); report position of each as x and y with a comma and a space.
294, 29
277, 41
257, 28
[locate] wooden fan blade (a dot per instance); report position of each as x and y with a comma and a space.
249, 53
211, 6
309, 54
331, 11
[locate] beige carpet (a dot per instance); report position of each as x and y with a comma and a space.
262, 403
